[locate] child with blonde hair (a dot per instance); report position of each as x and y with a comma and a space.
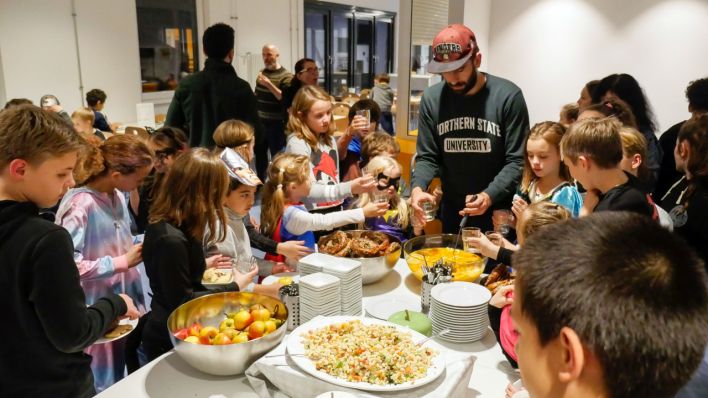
545, 177
83, 119
97, 218
397, 221
311, 133
283, 215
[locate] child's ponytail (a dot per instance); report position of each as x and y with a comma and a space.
285, 169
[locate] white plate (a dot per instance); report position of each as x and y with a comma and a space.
296, 349
270, 279
126, 321
461, 294
384, 307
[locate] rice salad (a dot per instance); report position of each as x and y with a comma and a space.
376, 354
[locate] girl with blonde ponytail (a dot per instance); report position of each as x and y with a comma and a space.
284, 217
396, 221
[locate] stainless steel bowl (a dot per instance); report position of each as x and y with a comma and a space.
462, 270
374, 269
210, 310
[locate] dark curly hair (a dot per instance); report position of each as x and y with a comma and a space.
218, 40
697, 95
95, 95
628, 90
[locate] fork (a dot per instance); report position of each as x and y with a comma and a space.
440, 333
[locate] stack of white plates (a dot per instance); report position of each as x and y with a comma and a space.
319, 295
462, 308
349, 274
314, 262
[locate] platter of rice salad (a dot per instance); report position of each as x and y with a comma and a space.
365, 353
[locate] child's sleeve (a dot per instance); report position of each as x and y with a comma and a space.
74, 220
59, 301
299, 221
570, 198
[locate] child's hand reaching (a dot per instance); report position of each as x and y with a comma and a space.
518, 206
484, 245
363, 184
359, 124
281, 267
218, 261
375, 209
293, 249
500, 299
134, 255
242, 280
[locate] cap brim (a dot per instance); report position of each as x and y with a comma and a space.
238, 168
442, 67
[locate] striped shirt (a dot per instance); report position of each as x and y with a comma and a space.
269, 106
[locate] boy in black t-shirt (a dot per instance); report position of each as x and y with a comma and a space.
592, 150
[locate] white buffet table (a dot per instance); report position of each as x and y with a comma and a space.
170, 377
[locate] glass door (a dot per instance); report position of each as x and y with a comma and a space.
339, 60
363, 46
383, 59
316, 23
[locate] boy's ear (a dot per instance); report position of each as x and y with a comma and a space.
573, 355
584, 162
17, 168
636, 161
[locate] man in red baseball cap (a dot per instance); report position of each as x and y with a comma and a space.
470, 133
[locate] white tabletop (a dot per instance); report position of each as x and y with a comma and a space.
169, 376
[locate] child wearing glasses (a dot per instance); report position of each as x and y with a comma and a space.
397, 220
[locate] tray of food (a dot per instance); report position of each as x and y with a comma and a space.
365, 353
376, 251
214, 277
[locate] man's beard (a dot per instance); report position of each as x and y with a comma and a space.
467, 87
271, 66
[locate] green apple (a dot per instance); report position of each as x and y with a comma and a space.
227, 323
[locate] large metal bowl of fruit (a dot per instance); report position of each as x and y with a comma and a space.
224, 333
429, 249
378, 252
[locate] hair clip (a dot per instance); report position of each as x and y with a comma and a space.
280, 186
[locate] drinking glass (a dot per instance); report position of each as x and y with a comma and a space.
380, 196
245, 264
495, 237
502, 221
366, 114
470, 232
429, 209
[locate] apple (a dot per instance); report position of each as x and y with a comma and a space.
240, 338
206, 335
194, 329
181, 333
227, 323
270, 326
260, 314
221, 339
192, 339
242, 319
231, 332
256, 330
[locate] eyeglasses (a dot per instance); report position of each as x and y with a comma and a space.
308, 70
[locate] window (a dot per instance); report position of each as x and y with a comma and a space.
167, 35
350, 44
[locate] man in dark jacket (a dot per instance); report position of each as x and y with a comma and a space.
205, 99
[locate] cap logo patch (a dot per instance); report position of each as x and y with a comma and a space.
445, 49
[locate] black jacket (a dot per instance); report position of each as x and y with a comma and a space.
205, 99
46, 324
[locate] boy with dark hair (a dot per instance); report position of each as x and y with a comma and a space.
41, 354
592, 150
96, 100
697, 96
619, 309
205, 99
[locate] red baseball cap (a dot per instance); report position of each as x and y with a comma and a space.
452, 47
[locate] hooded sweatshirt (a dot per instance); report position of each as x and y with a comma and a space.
47, 323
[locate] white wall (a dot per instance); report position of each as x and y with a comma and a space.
477, 17
39, 52
551, 48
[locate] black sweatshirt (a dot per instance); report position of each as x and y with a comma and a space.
46, 323
475, 143
174, 263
